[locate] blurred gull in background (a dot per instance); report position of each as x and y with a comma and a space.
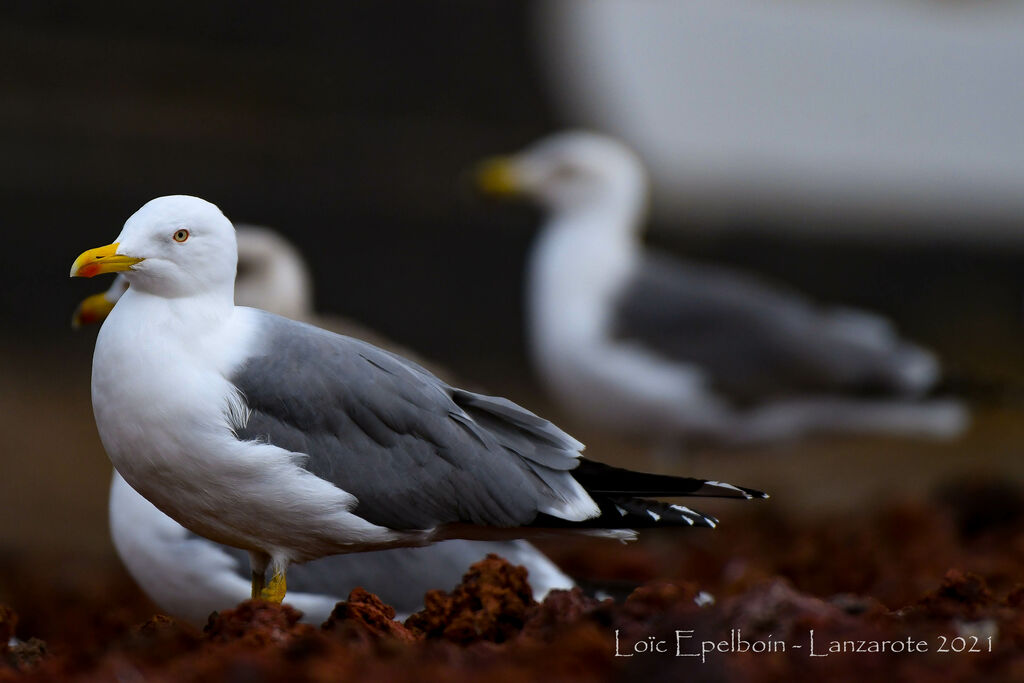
634, 340
189, 576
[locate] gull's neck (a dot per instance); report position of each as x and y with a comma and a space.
143, 324
593, 241
197, 311
610, 223
580, 260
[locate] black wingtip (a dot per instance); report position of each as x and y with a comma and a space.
600, 479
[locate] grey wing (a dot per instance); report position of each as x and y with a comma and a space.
415, 452
351, 328
755, 340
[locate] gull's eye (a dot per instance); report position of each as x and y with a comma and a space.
180, 235
565, 172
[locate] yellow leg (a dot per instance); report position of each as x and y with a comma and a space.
258, 583
275, 591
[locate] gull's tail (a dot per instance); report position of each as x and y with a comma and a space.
622, 496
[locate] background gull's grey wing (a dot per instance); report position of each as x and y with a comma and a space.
756, 341
414, 452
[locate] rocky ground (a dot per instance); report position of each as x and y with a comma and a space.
924, 591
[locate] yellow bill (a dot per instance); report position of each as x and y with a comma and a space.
498, 177
102, 260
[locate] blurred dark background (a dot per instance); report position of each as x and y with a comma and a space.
347, 127
350, 127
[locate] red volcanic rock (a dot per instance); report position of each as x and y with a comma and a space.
658, 595
548, 620
776, 607
257, 624
961, 595
491, 604
27, 655
872, 582
157, 640
18, 656
366, 612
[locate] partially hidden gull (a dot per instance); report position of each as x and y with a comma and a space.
273, 275
293, 443
189, 576
643, 343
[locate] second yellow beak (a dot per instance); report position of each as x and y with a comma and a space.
92, 311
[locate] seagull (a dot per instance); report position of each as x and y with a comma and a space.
640, 342
189, 576
293, 443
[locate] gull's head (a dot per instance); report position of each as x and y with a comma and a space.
566, 171
173, 246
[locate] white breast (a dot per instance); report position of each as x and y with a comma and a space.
574, 272
577, 270
163, 407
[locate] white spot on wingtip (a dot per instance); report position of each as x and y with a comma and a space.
723, 485
621, 511
745, 494
654, 515
685, 512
